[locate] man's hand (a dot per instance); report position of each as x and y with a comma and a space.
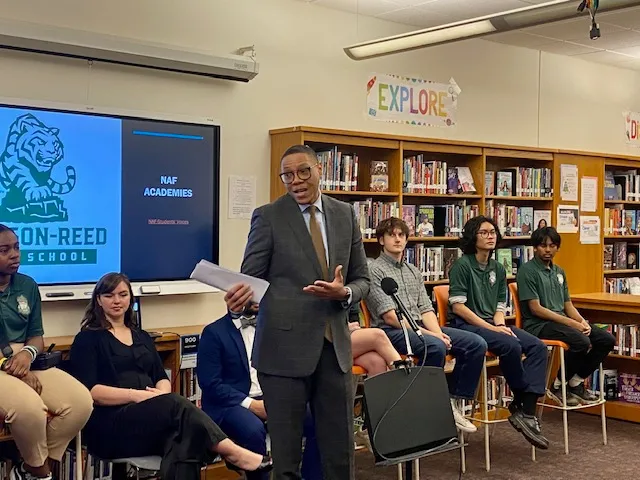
237, 297
353, 326
330, 290
31, 380
446, 339
19, 365
583, 327
503, 329
257, 407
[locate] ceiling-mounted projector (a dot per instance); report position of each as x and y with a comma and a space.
50, 40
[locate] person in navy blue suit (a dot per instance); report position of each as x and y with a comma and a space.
231, 393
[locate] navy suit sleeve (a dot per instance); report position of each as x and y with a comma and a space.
209, 371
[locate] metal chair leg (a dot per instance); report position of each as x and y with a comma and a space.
485, 416
565, 420
603, 412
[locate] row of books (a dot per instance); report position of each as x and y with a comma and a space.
339, 170
515, 221
438, 220
514, 257
626, 285
434, 176
621, 255
619, 221
370, 213
519, 181
627, 339
623, 387
622, 185
189, 386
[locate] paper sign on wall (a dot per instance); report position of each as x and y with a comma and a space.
568, 219
412, 101
590, 230
242, 196
632, 127
588, 194
569, 183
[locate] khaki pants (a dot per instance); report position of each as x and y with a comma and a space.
65, 400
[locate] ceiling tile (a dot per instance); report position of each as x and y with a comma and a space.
415, 16
577, 29
627, 18
375, 7
613, 41
520, 39
344, 5
565, 48
632, 51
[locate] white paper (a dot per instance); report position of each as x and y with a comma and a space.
589, 229
589, 194
242, 196
568, 219
569, 183
224, 279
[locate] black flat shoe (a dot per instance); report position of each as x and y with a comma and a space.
265, 466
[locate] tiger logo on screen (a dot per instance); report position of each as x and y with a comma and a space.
28, 194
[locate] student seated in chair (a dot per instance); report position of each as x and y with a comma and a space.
371, 348
548, 313
45, 409
468, 348
477, 299
231, 392
135, 413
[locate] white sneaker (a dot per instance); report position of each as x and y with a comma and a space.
19, 473
462, 423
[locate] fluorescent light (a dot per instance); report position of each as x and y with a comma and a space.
418, 39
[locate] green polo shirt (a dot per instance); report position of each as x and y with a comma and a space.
547, 284
20, 310
480, 289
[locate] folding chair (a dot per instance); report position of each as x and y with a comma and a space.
560, 348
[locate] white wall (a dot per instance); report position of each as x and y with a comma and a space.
509, 95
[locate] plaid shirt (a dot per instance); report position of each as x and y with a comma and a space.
410, 289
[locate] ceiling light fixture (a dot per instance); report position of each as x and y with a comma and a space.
550, 11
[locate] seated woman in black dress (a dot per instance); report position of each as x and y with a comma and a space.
135, 412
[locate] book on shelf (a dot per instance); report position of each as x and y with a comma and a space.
625, 285
339, 170
434, 262
379, 176
541, 218
424, 221
629, 388
409, 217
620, 221
423, 176
489, 183
369, 213
521, 182
460, 180
513, 221
627, 185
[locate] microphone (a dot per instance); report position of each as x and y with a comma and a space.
390, 287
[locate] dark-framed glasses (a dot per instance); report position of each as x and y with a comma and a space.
487, 233
302, 173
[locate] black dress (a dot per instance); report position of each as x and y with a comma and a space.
167, 425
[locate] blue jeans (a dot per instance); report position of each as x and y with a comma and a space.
467, 348
529, 375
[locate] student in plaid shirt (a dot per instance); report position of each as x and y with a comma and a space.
468, 348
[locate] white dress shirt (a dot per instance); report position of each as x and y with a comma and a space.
248, 336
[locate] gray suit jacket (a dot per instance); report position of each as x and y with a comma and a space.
291, 323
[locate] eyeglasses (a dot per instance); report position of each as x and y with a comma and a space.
303, 174
487, 233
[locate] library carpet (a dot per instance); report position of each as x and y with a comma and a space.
511, 454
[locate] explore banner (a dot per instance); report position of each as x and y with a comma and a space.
632, 128
412, 101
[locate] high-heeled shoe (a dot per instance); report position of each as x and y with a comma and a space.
265, 466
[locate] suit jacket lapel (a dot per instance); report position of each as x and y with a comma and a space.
299, 227
329, 217
236, 337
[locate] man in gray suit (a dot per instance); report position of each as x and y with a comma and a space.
309, 248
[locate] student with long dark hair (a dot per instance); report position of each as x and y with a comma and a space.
135, 412
44, 409
477, 299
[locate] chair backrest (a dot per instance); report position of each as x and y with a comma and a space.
513, 288
442, 302
366, 315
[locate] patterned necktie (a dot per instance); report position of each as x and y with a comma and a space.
318, 246
247, 322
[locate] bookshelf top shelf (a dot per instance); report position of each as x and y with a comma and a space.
623, 271
622, 237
